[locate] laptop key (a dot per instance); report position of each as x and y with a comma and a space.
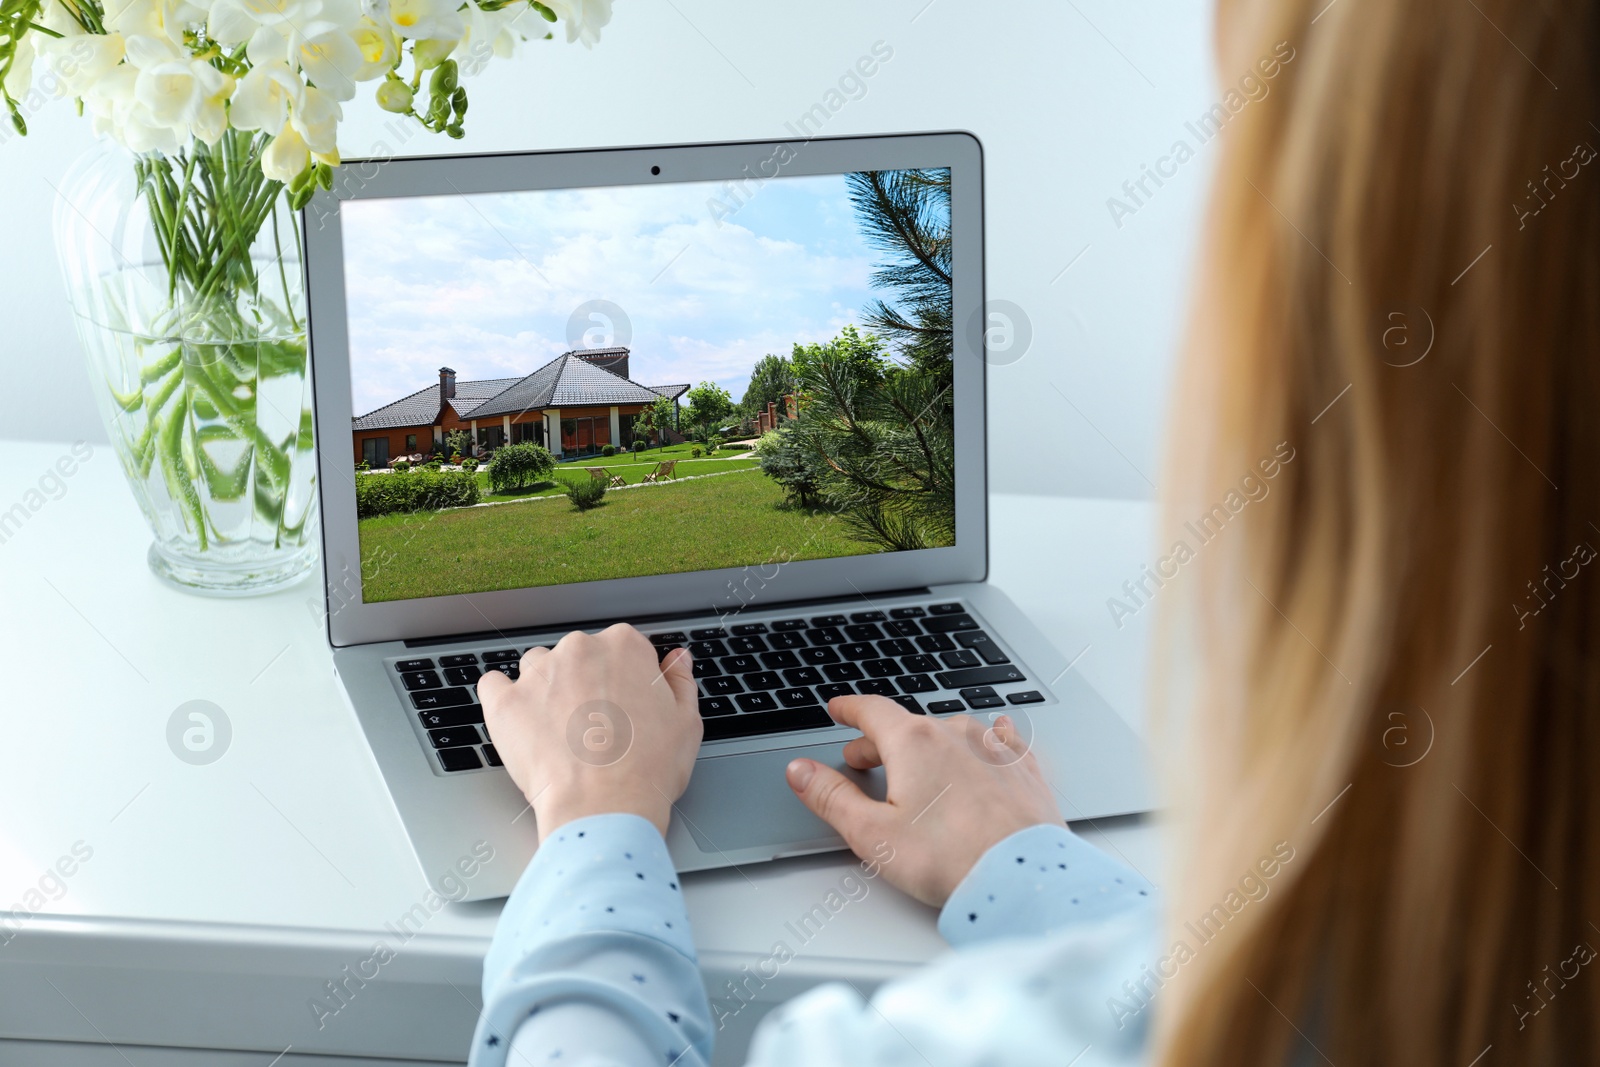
798, 697
454, 736
882, 668
936, 643
414, 665
810, 717
724, 686
865, 631
778, 661
415, 680
744, 646
466, 659
946, 609
950, 623
803, 676
740, 664
459, 759
710, 633
493, 756
882, 687
707, 647
979, 676
919, 664
449, 717
902, 628
755, 702
906, 613
510, 670
662, 651
858, 650
462, 675
842, 672
706, 668
1027, 696
916, 683
827, 620
710, 707
961, 657
867, 616
745, 629
896, 646
671, 637
783, 625
834, 689
440, 698
940, 707
763, 680
909, 703
791, 640
505, 655
816, 657
983, 645
825, 635
982, 696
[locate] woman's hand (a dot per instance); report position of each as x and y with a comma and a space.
956, 787
596, 726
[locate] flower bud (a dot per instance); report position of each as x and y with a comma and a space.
429, 54
395, 96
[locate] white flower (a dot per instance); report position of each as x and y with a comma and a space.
265, 95
118, 113
380, 49
235, 21
584, 19
429, 54
80, 60
286, 156
489, 34
186, 94
19, 79
159, 19
332, 60
316, 119
426, 19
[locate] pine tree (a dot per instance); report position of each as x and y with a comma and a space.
906, 214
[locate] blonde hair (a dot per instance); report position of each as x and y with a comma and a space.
1419, 574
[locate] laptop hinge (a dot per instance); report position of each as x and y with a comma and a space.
647, 620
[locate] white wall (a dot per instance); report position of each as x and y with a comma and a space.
1070, 97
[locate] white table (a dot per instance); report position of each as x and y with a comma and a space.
217, 900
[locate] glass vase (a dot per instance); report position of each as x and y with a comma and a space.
183, 274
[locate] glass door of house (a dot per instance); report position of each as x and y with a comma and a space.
584, 436
375, 452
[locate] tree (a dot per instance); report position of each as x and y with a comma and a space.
771, 380
906, 213
519, 466
657, 419
709, 407
858, 356
457, 442
789, 459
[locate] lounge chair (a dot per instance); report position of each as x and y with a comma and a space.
662, 472
600, 474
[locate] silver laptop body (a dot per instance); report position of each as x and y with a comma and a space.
425, 733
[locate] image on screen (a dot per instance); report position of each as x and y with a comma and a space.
562, 386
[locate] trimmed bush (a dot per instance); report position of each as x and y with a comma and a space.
638, 445
520, 466
420, 490
469, 464
585, 494
401, 465
609, 450
788, 459
695, 451
712, 444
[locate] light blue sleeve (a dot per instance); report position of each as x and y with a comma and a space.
1036, 881
592, 963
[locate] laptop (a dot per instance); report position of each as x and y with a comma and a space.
557, 390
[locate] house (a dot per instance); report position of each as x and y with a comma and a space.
576, 404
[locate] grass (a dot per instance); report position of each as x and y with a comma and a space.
632, 471
734, 521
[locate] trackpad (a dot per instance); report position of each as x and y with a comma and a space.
744, 801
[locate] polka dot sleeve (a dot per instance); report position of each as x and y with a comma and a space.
1037, 881
592, 962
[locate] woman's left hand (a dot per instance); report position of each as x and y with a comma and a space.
596, 726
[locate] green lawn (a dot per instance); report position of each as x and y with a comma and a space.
631, 469
732, 521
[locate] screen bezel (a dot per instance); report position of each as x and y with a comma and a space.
351, 620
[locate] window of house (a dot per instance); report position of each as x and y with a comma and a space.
411, 442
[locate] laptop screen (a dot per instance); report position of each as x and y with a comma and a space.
564, 386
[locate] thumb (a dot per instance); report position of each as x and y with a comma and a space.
491, 687
833, 798
678, 670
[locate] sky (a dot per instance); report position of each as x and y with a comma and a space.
488, 283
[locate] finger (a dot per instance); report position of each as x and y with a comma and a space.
872, 715
533, 662
678, 670
862, 753
493, 687
834, 799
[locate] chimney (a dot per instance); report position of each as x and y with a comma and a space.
447, 383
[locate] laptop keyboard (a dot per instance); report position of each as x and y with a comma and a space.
760, 678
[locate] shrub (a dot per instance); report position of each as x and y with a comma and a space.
432, 465
609, 450
363, 465
585, 494
638, 445
519, 466
695, 451
401, 465
455, 457
469, 464
420, 491
738, 446
789, 460
712, 444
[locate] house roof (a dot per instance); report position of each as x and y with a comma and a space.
572, 379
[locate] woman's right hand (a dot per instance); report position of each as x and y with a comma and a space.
957, 786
